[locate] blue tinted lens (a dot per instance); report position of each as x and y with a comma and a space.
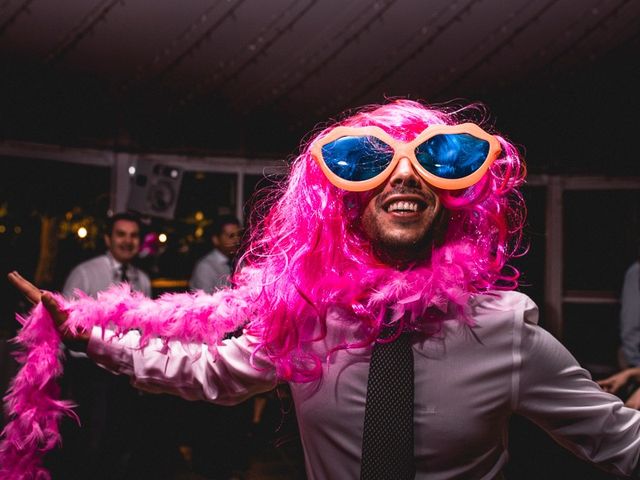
357, 158
452, 155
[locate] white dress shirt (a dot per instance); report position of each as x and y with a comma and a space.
211, 272
99, 273
468, 382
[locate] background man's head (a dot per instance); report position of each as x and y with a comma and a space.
226, 233
122, 236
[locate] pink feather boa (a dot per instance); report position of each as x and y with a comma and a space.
417, 299
32, 404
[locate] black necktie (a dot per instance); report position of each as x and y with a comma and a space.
123, 273
387, 441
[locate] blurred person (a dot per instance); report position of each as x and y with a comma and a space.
109, 407
122, 238
630, 316
220, 456
378, 288
625, 383
213, 270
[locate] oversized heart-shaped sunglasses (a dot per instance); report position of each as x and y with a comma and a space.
450, 157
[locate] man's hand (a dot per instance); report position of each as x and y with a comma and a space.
35, 295
634, 400
620, 379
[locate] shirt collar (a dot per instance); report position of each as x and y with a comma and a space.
115, 266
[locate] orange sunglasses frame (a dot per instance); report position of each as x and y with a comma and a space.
406, 150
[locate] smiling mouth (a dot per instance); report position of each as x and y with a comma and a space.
405, 206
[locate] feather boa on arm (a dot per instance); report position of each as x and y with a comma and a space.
32, 405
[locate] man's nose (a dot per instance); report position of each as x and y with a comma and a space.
404, 174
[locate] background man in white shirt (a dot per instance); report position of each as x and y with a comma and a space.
218, 456
213, 270
122, 239
109, 404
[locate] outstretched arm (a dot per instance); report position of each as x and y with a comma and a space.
558, 395
195, 364
226, 375
172, 345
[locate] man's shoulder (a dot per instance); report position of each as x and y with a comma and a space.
633, 270
212, 260
88, 276
92, 263
495, 320
504, 305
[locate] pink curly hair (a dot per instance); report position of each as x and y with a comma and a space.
309, 253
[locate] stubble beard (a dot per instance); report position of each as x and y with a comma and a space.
397, 248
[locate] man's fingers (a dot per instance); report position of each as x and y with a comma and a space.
611, 384
607, 381
59, 316
28, 289
633, 401
34, 295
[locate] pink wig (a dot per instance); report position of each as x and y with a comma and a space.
306, 256
311, 253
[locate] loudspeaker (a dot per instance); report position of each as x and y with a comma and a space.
154, 189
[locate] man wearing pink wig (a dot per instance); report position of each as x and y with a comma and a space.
377, 286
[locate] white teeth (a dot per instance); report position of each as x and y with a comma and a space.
403, 207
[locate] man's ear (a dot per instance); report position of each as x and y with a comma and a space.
107, 241
215, 240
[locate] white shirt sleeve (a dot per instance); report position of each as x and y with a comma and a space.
559, 396
190, 371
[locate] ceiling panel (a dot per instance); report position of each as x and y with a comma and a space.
210, 74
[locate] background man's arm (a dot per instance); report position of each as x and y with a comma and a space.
630, 316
